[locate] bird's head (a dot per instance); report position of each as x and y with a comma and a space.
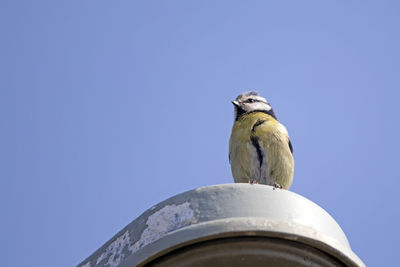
249, 102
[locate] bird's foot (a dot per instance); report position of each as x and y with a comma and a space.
253, 182
276, 185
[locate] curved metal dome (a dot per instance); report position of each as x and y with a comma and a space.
235, 224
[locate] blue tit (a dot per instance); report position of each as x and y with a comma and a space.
259, 148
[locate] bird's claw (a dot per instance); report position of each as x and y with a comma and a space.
276, 185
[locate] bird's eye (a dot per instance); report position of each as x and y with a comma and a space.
250, 100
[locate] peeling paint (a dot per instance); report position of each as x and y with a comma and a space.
114, 251
167, 219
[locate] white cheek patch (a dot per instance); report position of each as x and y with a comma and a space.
261, 106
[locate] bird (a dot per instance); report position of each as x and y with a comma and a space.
260, 150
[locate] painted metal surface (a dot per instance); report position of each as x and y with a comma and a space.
224, 211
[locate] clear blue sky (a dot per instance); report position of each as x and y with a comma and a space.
109, 107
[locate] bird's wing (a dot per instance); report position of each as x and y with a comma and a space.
271, 133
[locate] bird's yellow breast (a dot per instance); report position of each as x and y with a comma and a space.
243, 127
259, 150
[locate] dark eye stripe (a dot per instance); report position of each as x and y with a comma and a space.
252, 100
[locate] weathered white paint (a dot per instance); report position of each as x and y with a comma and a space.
167, 219
114, 252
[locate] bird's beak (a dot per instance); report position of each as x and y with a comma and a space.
235, 103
